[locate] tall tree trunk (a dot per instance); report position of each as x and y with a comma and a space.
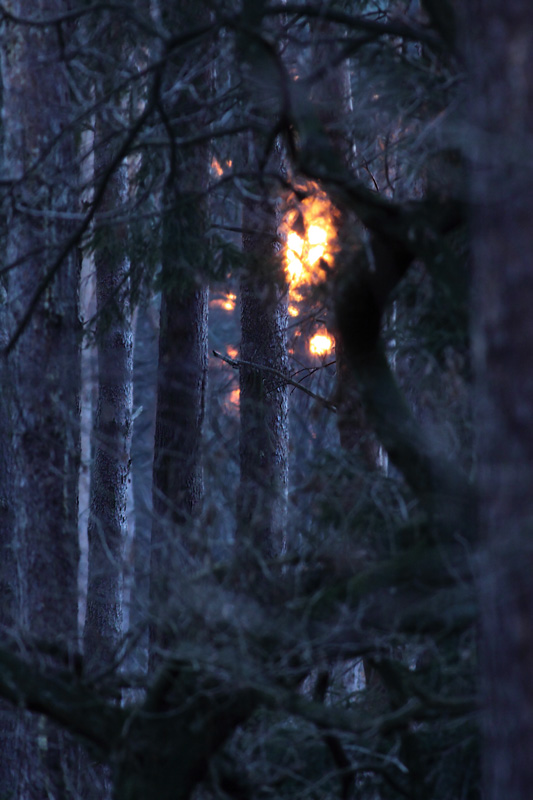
142, 458
43, 370
262, 501
107, 528
9, 600
264, 424
502, 143
178, 484
112, 430
178, 480
332, 95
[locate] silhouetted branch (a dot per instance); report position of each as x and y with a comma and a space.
237, 364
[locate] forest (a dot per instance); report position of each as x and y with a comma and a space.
266, 453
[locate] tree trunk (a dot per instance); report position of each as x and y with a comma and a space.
107, 528
178, 484
142, 458
502, 142
178, 480
332, 95
262, 501
9, 600
43, 369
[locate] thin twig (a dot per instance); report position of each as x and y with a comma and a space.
237, 364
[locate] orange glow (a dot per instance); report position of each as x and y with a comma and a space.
232, 352
310, 230
293, 311
231, 403
321, 343
216, 169
227, 303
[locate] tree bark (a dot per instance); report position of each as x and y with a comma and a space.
9, 599
43, 369
178, 480
501, 45
142, 458
107, 528
262, 499
178, 484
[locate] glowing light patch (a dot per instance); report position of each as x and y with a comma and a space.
309, 227
321, 344
216, 169
227, 303
231, 404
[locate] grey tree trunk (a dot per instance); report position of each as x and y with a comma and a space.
178, 484
9, 601
178, 479
502, 143
41, 443
107, 528
142, 457
262, 499
182, 375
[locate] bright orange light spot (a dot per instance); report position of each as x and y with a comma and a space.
232, 352
309, 227
227, 303
310, 230
231, 404
321, 343
216, 169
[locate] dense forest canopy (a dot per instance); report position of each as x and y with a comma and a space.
265, 438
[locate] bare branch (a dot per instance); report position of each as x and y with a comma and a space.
237, 364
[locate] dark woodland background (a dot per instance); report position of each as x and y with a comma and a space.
232, 567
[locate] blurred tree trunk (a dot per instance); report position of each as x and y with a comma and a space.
501, 45
8, 582
43, 369
332, 95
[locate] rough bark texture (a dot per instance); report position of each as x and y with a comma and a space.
262, 502
43, 370
502, 101
178, 473
178, 484
8, 583
112, 431
142, 457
